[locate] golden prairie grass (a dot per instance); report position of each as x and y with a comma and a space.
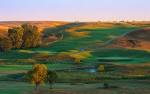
40, 24
77, 55
82, 30
97, 25
74, 32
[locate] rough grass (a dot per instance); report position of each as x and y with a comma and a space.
124, 87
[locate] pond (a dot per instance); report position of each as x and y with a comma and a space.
82, 69
90, 70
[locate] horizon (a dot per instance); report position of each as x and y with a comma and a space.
75, 10
117, 21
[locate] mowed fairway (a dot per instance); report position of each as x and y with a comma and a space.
128, 69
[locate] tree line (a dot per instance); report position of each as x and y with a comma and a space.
24, 36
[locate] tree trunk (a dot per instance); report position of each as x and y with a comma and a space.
51, 86
37, 87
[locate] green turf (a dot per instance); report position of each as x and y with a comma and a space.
125, 87
100, 35
95, 35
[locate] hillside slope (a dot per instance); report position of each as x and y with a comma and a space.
139, 39
40, 24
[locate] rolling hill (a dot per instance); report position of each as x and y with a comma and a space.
137, 39
82, 36
40, 24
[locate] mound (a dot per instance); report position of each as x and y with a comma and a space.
139, 39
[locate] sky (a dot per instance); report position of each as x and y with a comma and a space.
74, 10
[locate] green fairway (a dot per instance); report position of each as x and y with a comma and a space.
95, 35
75, 47
119, 63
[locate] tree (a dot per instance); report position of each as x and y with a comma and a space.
5, 44
31, 36
38, 74
51, 78
16, 34
26, 36
101, 70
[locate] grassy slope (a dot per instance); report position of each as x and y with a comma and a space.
96, 34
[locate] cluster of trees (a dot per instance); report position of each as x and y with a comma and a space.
25, 36
40, 74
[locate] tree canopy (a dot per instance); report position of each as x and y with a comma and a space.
38, 74
25, 36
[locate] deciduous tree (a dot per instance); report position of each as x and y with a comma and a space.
16, 34
31, 36
51, 78
38, 75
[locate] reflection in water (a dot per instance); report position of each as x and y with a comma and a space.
91, 70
